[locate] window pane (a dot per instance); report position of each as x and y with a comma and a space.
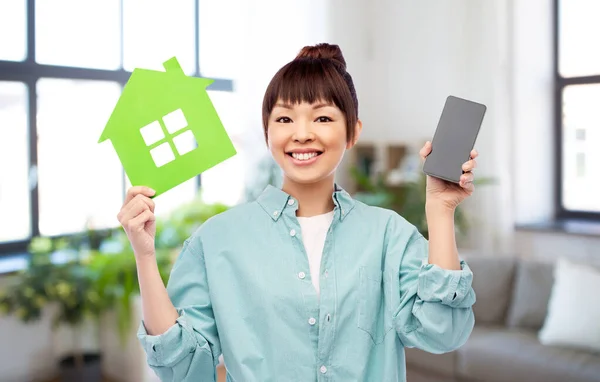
578, 34
13, 23
79, 179
221, 30
581, 139
156, 30
14, 179
78, 33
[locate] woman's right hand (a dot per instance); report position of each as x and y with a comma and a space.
138, 220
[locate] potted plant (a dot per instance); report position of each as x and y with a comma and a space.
406, 197
57, 276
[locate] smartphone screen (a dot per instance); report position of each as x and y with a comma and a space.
454, 138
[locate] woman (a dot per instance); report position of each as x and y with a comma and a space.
305, 283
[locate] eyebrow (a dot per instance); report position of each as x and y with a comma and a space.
315, 107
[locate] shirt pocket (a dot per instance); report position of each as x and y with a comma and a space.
373, 315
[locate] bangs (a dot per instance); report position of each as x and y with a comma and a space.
307, 81
310, 80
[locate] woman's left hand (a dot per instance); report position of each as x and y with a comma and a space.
448, 194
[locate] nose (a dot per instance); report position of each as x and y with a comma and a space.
303, 132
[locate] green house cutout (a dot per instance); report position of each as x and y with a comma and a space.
165, 128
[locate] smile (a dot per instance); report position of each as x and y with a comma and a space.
304, 158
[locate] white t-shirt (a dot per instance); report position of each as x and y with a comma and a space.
314, 232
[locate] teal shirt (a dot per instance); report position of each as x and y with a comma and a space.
242, 287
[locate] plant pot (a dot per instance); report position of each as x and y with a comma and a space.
89, 371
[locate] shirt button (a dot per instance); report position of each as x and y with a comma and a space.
301, 275
292, 232
290, 202
275, 213
312, 321
323, 370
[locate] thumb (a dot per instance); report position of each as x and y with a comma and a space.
425, 150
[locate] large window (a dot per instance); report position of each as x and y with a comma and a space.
577, 108
61, 73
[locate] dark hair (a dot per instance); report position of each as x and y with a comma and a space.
318, 73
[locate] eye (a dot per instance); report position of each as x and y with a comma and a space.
324, 119
283, 120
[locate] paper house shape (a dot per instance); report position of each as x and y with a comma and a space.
165, 128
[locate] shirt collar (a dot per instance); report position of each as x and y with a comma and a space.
275, 201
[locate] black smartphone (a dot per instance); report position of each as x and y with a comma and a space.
454, 138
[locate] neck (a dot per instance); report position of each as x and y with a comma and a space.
314, 198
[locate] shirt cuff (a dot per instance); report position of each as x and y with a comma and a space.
450, 287
167, 349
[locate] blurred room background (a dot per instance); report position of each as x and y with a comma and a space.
531, 230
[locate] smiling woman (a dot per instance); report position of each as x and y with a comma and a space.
310, 114
347, 282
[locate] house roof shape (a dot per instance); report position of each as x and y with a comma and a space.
140, 93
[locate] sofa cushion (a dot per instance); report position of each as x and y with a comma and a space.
442, 364
531, 293
492, 282
574, 309
513, 355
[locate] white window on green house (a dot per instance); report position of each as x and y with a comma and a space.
172, 130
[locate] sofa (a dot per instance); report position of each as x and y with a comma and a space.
512, 303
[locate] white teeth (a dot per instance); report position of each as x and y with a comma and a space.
304, 156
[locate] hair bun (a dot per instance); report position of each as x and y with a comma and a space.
323, 51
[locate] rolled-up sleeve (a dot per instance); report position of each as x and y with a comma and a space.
450, 287
188, 350
435, 312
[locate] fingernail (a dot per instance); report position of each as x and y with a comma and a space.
151, 190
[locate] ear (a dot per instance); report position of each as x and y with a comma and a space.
357, 131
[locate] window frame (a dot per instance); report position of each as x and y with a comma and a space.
29, 72
560, 83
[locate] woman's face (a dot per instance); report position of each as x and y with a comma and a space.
308, 141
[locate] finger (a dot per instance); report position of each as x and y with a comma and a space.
132, 192
133, 209
469, 165
474, 154
131, 213
425, 150
466, 178
135, 205
146, 200
469, 187
138, 223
